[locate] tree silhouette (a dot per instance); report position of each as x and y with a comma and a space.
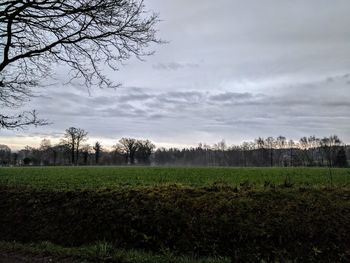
341, 159
82, 35
73, 138
97, 148
144, 151
129, 146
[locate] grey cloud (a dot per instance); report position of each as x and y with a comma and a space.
123, 110
157, 116
229, 96
53, 135
135, 97
185, 96
175, 100
175, 66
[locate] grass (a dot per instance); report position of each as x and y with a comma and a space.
99, 178
100, 252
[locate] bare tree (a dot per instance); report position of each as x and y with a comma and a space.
5, 155
260, 144
144, 151
129, 147
82, 35
74, 137
304, 146
330, 146
245, 147
97, 148
270, 142
86, 150
280, 145
46, 150
291, 146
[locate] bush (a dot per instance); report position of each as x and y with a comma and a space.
312, 225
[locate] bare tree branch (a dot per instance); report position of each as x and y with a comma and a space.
83, 35
21, 121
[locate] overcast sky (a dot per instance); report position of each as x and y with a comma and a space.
232, 70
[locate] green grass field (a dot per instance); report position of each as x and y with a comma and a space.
97, 178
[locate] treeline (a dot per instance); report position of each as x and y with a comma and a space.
268, 152
73, 150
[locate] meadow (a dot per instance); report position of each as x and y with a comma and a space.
99, 178
176, 214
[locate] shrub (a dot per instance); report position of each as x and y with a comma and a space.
278, 225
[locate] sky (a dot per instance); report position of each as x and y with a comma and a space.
232, 70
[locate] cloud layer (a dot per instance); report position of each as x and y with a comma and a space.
232, 69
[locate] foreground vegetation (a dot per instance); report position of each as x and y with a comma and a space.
100, 252
178, 214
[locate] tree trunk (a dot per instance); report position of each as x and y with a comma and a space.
73, 154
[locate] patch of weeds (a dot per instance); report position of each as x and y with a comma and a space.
268, 185
246, 185
287, 183
103, 252
219, 186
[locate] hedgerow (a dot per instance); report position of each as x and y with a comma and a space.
246, 225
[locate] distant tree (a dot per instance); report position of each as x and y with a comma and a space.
62, 153
31, 154
280, 146
82, 35
97, 148
341, 159
27, 161
330, 146
129, 147
260, 145
5, 155
73, 138
304, 146
144, 151
86, 150
271, 143
309, 146
291, 146
14, 158
281, 142
314, 145
245, 147
119, 154
220, 146
46, 150
220, 156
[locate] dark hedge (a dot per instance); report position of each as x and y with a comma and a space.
274, 225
